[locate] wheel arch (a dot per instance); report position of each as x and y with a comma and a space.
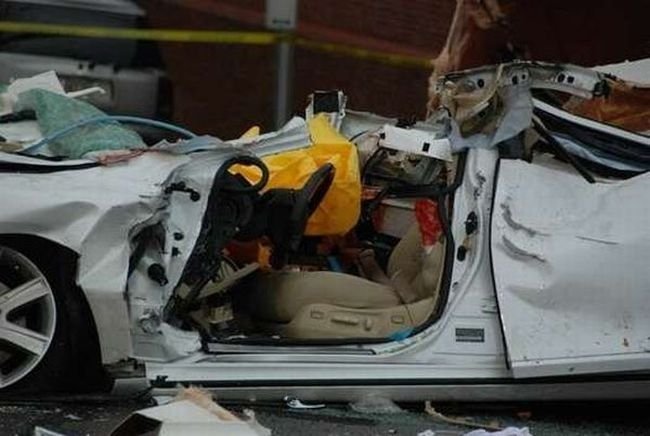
69, 258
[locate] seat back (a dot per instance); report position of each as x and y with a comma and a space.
413, 271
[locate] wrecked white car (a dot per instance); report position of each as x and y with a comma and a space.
498, 251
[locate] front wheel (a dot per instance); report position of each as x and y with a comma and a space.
47, 338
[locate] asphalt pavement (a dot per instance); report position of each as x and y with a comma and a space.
98, 416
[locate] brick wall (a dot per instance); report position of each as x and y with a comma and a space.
224, 89
413, 24
418, 24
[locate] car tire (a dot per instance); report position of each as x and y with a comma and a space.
71, 362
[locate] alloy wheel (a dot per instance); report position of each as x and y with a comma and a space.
27, 316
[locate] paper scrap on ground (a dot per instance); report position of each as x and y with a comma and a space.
193, 413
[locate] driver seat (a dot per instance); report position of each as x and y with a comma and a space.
324, 304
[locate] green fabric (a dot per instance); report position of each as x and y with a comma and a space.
55, 112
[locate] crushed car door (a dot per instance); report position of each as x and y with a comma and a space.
571, 264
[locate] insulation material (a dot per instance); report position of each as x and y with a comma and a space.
55, 112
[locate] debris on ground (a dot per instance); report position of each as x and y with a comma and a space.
193, 412
295, 403
375, 405
429, 409
430, 432
510, 431
42, 431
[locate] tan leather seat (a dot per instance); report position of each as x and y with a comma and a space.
327, 304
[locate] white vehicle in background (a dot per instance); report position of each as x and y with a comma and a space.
130, 72
537, 286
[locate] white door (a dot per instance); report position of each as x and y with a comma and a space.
571, 263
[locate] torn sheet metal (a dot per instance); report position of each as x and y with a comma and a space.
578, 149
183, 216
356, 123
492, 104
570, 268
292, 136
594, 125
97, 210
512, 117
467, 93
93, 212
330, 103
600, 143
420, 142
634, 72
628, 99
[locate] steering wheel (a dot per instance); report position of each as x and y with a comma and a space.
289, 211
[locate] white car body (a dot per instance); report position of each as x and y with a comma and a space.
550, 302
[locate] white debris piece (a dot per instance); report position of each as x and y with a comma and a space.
193, 414
637, 72
42, 431
48, 81
510, 431
416, 141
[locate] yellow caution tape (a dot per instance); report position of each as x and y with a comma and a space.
170, 35
213, 37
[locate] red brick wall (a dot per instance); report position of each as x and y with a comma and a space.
224, 89
420, 24
414, 24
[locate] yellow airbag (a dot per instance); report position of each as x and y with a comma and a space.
339, 211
